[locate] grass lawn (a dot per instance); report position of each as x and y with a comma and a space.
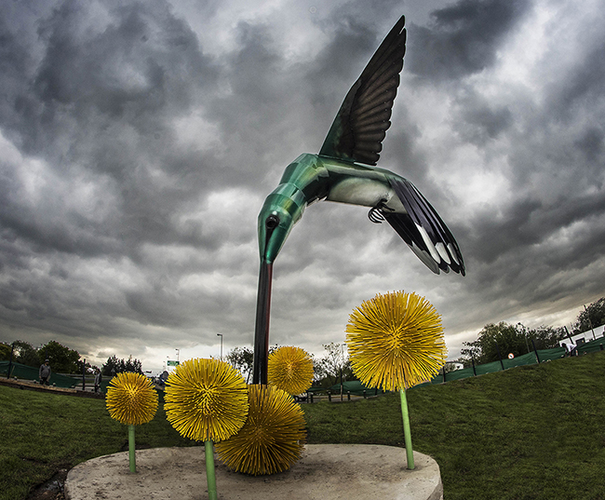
42, 433
533, 432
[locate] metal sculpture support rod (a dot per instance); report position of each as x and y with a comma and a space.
261, 332
132, 460
407, 433
210, 470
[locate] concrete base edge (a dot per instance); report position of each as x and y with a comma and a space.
325, 472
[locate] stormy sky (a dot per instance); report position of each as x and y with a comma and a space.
138, 141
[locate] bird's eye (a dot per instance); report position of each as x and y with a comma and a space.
272, 222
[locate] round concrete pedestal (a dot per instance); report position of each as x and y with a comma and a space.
325, 472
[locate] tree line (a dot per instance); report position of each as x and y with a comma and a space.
115, 365
496, 342
334, 365
62, 359
329, 369
500, 340
518, 339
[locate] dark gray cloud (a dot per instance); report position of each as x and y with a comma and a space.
138, 140
463, 38
478, 120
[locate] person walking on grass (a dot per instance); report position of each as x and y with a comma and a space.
98, 379
44, 373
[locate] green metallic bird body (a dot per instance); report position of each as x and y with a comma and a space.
311, 178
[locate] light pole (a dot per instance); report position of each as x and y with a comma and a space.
178, 352
342, 362
221, 336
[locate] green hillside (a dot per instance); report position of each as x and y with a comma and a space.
533, 432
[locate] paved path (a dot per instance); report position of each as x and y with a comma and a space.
33, 386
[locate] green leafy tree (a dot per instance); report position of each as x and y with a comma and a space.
516, 339
242, 359
25, 354
133, 365
546, 337
5, 351
62, 359
591, 317
111, 366
503, 337
333, 366
114, 365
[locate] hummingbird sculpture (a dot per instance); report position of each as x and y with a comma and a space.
344, 171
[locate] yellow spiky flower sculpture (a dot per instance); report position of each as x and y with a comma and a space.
206, 400
290, 369
271, 439
132, 400
396, 341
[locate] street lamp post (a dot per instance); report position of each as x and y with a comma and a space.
221, 336
178, 353
342, 362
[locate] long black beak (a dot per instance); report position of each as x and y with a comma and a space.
261, 332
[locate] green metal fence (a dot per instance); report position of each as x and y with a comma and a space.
350, 387
495, 366
533, 357
592, 346
30, 373
25, 372
354, 387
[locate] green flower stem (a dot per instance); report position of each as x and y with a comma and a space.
407, 433
210, 475
131, 457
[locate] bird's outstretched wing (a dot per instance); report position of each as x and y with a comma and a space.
423, 230
363, 119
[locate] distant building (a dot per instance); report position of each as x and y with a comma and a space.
586, 336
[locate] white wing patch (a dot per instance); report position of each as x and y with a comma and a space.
429, 244
443, 252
